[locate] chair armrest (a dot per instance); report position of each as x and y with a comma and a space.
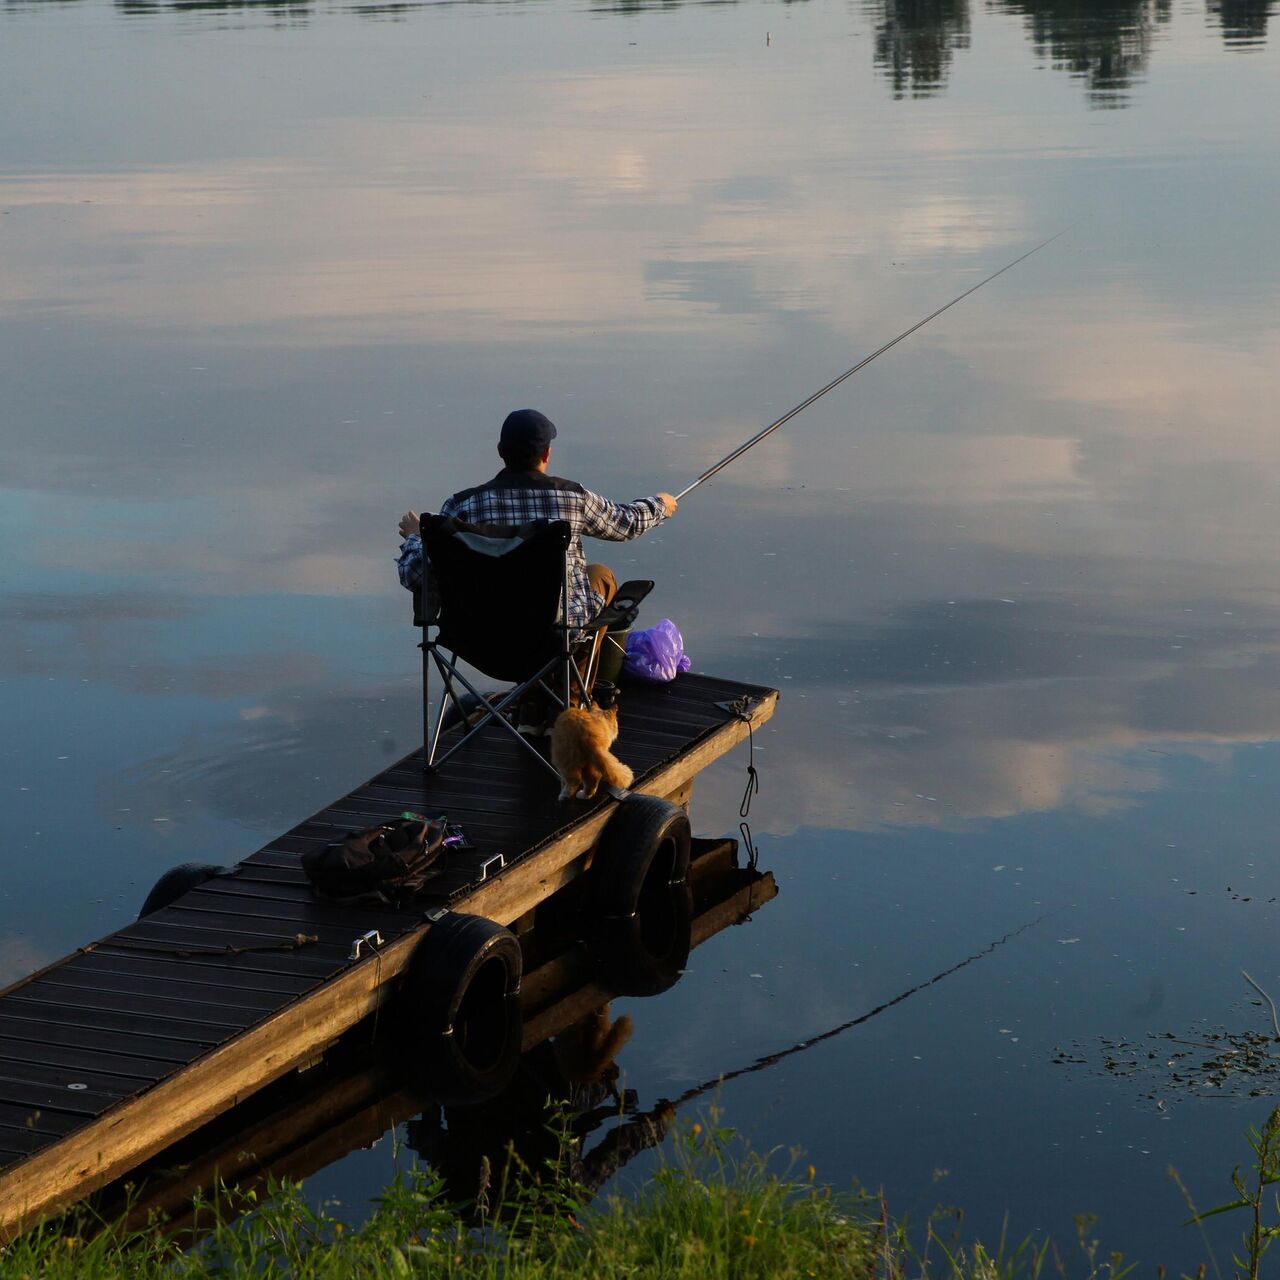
621, 611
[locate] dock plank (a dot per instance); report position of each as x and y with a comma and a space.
91, 1042
73, 987
173, 931
44, 1096
270, 965
52, 1061
147, 1018
114, 966
43, 1076
15, 1118
302, 914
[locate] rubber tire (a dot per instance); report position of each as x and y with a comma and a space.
642, 905
463, 1018
177, 881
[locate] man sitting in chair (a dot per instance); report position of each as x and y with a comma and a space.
523, 491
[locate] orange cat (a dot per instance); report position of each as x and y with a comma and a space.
580, 742
586, 1050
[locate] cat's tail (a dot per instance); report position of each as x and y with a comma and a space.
600, 1066
617, 1036
616, 774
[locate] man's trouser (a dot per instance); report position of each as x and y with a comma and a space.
602, 581
534, 709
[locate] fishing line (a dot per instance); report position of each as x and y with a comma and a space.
862, 364
771, 1059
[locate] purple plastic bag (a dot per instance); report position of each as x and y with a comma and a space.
656, 654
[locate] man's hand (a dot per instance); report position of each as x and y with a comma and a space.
408, 523
667, 501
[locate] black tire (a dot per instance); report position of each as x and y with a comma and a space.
177, 881
462, 1001
643, 907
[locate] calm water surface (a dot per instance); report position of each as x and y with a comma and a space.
269, 274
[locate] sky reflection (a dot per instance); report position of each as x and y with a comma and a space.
283, 279
994, 522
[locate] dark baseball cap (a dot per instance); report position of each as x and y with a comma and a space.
528, 427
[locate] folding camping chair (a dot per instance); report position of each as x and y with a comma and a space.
498, 596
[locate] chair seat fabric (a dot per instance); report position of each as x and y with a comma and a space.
499, 591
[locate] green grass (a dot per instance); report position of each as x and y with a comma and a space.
713, 1211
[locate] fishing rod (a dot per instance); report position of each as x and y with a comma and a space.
862, 364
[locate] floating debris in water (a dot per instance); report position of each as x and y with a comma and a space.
1206, 1062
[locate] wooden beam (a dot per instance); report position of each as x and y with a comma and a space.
294, 1141
735, 910
682, 795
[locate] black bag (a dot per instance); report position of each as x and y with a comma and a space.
378, 861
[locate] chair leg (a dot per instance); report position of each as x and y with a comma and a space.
493, 711
448, 694
426, 699
580, 680
593, 663
435, 737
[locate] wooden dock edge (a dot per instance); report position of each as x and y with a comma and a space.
137, 1128
360, 1109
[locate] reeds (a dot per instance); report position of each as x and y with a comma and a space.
713, 1210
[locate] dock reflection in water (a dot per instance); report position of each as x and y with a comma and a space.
364, 1089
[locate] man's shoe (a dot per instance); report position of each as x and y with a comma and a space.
531, 719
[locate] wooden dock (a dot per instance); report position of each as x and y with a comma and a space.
301, 1125
111, 1054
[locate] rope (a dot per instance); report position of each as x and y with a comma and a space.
740, 709
377, 986
296, 943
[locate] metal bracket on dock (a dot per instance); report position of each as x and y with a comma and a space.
436, 913
741, 708
499, 858
372, 939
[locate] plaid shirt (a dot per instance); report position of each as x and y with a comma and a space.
517, 497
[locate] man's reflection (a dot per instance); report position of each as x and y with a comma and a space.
539, 1127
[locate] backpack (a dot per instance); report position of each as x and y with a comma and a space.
378, 863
